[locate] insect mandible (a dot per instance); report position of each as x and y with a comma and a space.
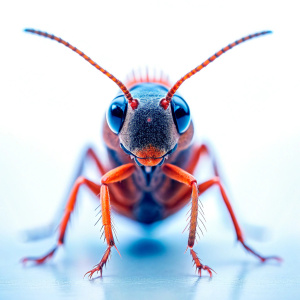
149, 123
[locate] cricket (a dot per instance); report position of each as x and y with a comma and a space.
150, 172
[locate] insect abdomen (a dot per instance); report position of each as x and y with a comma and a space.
147, 210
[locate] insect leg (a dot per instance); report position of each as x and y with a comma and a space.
95, 188
49, 229
216, 181
181, 175
115, 175
197, 153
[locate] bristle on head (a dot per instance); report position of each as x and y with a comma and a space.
135, 79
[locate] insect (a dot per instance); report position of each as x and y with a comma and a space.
149, 176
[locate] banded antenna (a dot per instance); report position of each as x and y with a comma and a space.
165, 102
133, 102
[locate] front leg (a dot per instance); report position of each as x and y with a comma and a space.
115, 175
180, 175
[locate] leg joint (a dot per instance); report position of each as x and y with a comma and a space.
80, 180
193, 181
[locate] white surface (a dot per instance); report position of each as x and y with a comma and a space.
151, 267
246, 104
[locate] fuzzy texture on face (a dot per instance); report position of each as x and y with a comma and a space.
149, 131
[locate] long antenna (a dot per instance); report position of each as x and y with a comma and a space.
165, 102
127, 94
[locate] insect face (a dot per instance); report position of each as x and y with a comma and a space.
149, 132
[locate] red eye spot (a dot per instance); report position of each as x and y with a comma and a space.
149, 119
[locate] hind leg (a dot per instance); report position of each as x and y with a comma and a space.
95, 188
216, 181
197, 155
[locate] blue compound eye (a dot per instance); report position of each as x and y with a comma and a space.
116, 114
181, 114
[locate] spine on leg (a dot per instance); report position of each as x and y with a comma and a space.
106, 218
194, 216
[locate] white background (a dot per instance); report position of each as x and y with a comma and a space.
246, 103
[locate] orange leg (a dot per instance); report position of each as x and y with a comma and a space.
90, 153
198, 153
95, 188
216, 181
175, 202
115, 175
180, 175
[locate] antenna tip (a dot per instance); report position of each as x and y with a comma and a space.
28, 30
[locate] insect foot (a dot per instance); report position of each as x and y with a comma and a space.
98, 268
40, 260
200, 266
262, 258
102, 263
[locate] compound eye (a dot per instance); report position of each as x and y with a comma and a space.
116, 114
181, 114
